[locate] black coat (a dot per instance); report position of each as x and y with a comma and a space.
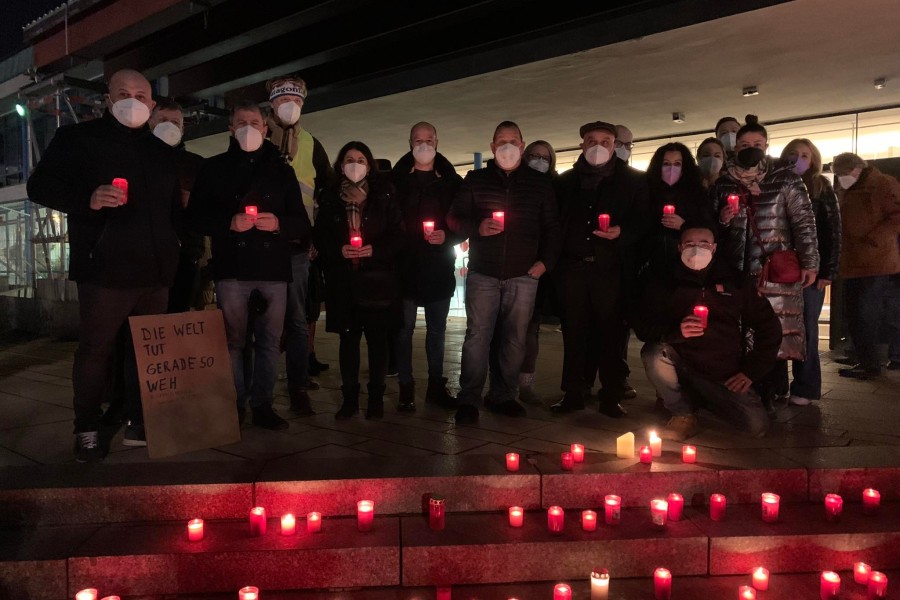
427, 271
660, 249
531, 228
233, 180
372, 285
130, 246
828, 231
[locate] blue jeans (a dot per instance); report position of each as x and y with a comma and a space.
296, 358
232, 297
435, 327
676, 383
807, 381
504, 304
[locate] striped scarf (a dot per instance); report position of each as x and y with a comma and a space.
354, 196
751, 177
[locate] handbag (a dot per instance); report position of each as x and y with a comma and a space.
780, 266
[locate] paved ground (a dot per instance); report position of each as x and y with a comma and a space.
36, 414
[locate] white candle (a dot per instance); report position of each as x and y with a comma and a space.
655, 444
625, 445
599, 584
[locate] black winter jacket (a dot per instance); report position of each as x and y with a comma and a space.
426, 270
531, 223
227, 184
660, 250
130, 246
828, 231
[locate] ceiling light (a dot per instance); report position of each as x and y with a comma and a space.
750, 91
20, 110
879, 83
677, 117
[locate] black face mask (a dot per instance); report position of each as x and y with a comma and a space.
750, 157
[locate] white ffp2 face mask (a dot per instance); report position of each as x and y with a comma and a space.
728, 140
623, 153
355, 172
131, 112
711, 165
249, 138
288, 113
597, 155
507, 156
539, 164
847, 181
168, 132
696, 258
424, 153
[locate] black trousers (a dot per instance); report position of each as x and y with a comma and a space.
378, 332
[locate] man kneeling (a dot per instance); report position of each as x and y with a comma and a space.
698, 358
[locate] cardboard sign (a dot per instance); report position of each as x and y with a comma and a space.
187, 388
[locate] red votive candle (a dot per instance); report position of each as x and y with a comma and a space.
562, 591
251, 210
589, 520
878, 582
676, 506
257, 521
365, 515
830, 586
444, 593
556, 519
646, 455
669, 209
568, 461
578, 452
356, 241
428, 227
745, 592
512, 462
662, 584
516, 516
122, 184
689, 454
500, 217
613, 506
249, 592
770, 503
436, 513
86, 594
288, 524
734, 201
871, 501
659, 511
717, 504
702, 313
313, 522
834, 505
761, 578
603, 222
861, 572
195, 530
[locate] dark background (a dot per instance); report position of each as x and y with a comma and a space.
14, 14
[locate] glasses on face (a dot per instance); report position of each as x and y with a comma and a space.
538, 157
626, 145
704, 245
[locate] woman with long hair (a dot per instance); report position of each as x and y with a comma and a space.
711, 158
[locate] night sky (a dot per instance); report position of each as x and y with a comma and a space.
13, 16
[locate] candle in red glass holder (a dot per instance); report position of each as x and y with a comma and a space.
830, 585
770, 504
556, 518
86, 594
313, 522
288, 524
662, 584
578, 452
195, 530
655, 444
676, 506
428, 227
444, 593
689, 454
646, 455
568, 461
717, 504
249, 592
356, 241
562, 591
669, 209
734, 201
500, 217
111, 598
257, 521
122, 184
861, 572
745, 592
613, 506
659, 511
436, 513
253, 211
589, 520
603, 222
761, 578
365, 515
871, 501
516, 516
878, 582
834, 505
702, 313
512, 462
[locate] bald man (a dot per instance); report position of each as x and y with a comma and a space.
123, 244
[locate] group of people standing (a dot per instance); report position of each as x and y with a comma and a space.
718, 264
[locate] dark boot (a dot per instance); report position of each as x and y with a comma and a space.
609, 403
570, 402
316, 367
407, 401
375, 407
437, 393
300, 404
350, 405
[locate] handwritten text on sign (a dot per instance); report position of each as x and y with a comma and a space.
166, 370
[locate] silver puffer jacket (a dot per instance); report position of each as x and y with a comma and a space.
786, 221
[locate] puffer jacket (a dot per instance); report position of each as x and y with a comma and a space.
785, 219
870, 213
828, 230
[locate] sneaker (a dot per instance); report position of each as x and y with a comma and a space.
860, 372
87, 447
679, 429
134, 435
267, 418
630, 392
510, 408
799, 400
466, 414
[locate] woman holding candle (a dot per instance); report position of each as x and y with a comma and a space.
363, 289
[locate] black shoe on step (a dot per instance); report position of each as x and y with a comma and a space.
267, 418
407, 401
860, 372
300, 404
609, 404
509, 408
570, 402
350, 405
466, 414
87, 447
134, 435
437, 393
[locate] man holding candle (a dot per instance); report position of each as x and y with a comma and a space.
123, 254
505, 262
426, 183
251, 252
692, 366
